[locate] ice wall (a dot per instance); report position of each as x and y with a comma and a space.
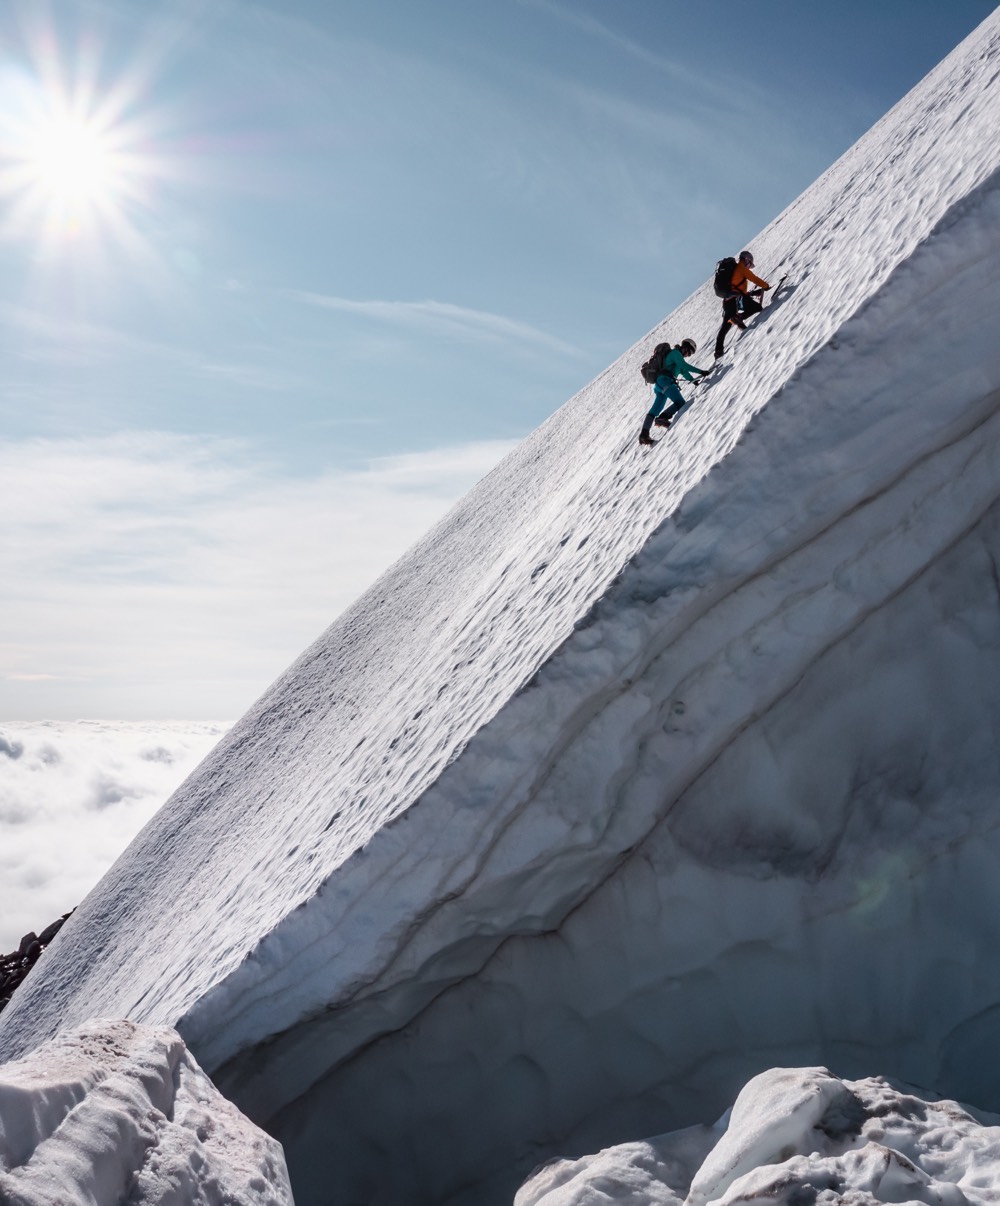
644, 770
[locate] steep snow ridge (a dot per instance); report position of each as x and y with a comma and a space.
528, 870
591, 760
746, 836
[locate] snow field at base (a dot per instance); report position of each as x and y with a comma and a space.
623, 783
795, 1135
114, 1114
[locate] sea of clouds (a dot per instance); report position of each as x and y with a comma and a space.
72, 796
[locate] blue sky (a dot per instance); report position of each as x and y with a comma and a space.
330, 260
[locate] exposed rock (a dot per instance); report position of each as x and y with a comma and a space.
15, 966
50, 931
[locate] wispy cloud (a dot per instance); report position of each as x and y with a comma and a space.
159, 575
62, 335
697, 101
443, 318
657, 59
47, 337
72, 796
251, 376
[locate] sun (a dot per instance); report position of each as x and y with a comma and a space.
73, 164
69, 173
93, 152
76, 164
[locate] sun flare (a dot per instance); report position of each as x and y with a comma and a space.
73, 164
76, 166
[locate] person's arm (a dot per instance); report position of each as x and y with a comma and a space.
686, 369
756, 279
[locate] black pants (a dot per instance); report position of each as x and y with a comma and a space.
739, 305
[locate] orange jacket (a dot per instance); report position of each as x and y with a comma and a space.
742, 274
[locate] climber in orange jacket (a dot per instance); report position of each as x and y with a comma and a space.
739, 304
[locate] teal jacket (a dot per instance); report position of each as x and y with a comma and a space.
674, 366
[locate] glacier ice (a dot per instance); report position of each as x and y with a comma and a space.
642, 772
115, 1112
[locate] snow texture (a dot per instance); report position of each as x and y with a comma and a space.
116, 1114
645, 770
796, 1136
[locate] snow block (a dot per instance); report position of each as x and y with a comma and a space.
642, 772
796, 1135
114, 1112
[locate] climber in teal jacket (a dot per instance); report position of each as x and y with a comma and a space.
666, 387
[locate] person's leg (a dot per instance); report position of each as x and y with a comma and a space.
730, 315
659, 401
676, 402
750, 306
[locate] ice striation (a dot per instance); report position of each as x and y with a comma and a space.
796, 1136
117, 1114
645, 770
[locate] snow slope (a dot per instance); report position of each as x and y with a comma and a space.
645, 770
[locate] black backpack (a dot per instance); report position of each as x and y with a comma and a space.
724, 276
654, 365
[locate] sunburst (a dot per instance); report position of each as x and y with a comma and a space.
70, 164
73, 164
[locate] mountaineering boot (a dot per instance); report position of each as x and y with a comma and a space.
645, 438
662, 420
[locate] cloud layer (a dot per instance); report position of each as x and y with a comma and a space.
72, 796
157, 575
